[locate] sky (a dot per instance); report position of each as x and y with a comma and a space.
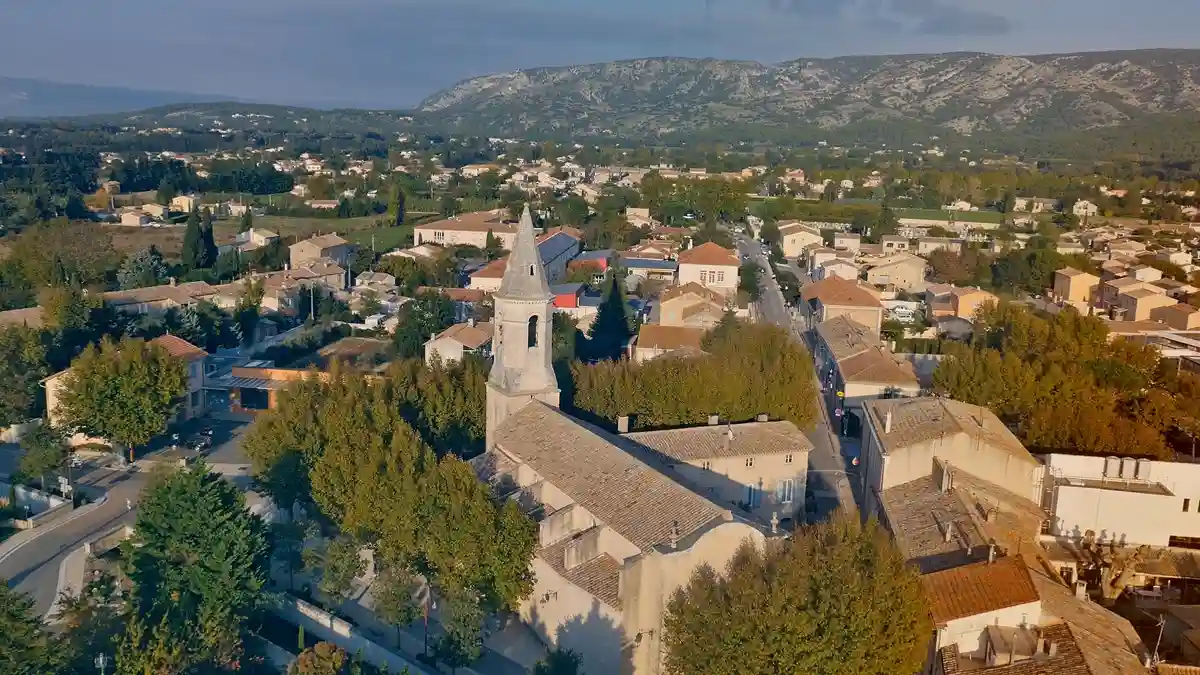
393, 53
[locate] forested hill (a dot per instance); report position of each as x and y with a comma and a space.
966, 93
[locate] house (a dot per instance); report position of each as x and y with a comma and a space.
1178, 316
653, 269
640, 217
1176, 289
1035, 204
1140, 302
134, 218
654, 340
854, 366
158, 299
711, 266
833, 297
598, 261
322, 204
1004, 603
1067, 246
965, 302
927, 245
837, 267
375, 279
567, 296
795, 237
1145, 273
1085, 209
653, 249
1075, 287
892, 243
692, 305
420, 252
192, 404
450, 345
760, 467
465, 299
1110, 290
327, 246
903, 271
467, 229
817, 257
845, 241
155, 211
185, 203
111, 187
617, 535
555, 249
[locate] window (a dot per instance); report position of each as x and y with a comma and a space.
720, 276
1186, 504
785, 491
749, 462
787, 459
531, 270
753, 496
707, 465
439, 236
533, 332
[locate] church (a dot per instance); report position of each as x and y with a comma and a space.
624, 519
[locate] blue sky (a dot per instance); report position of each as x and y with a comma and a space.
394, 52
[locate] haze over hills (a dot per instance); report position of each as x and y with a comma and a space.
23, 97
965, 92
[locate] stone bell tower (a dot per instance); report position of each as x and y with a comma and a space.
521, 345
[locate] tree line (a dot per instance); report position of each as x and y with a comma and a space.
1063, 385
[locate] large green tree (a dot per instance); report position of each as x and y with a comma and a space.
123, 392
610, 332
838, 599
26, 648
22, 367
193, 242
145, 267
198, 565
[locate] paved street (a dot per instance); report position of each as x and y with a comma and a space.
832, 479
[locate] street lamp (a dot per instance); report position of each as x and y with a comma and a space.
102, 662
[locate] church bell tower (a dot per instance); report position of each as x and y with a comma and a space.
521, 344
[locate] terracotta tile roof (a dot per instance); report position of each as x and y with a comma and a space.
600, 576
573, 231
178, 347
627, 495
1176, 669
1072, 272
658, 336
180, 294
692, 288
471, 336
917, 420
709, 253
837, 291
1070, 658
492, 270
876, 366
737, 440
32, 317
978, 588
479, 221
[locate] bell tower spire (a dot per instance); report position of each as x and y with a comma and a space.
521, 345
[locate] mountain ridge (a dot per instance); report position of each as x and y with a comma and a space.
964, 92
31, 98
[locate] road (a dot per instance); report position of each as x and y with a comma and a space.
32, 568
833, 482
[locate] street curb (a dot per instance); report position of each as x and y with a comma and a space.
62, 580
81, 511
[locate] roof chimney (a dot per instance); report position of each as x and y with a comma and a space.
174, 281
623, 424
887, 422
714, 420
763, 417
948, 531
947, 477
991, 553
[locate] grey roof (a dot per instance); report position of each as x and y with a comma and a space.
525, 275
649, 264
565, 289
602, 254
846, 337
555, 245
917, 420
918, 514
626, 494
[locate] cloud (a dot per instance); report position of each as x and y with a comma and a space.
923, 17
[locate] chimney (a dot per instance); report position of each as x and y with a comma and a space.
947, 478
471, 322
174, 281
947, 532
991, 553
887, 422
762, 418
1051, 648
774, 522
674, 534
1081, 592
714, 420
623, 424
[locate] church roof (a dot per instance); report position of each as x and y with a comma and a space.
525, 277
635, 500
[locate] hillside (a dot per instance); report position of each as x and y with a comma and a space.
968, 93
23, 98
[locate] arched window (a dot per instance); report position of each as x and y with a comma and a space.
531, 270
533, 332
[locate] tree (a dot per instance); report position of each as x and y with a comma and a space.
43, 450
122, 392
429, 313
166, 192
144, 267
837, 600
610, 332
22, 368
323, 658
26, 648
448, 206
198, 565
246, 222
193, 242
396, 207
392, 593
494, 248
208, 245
462, 643
748, 280
335, 564
769, 234
558, 662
